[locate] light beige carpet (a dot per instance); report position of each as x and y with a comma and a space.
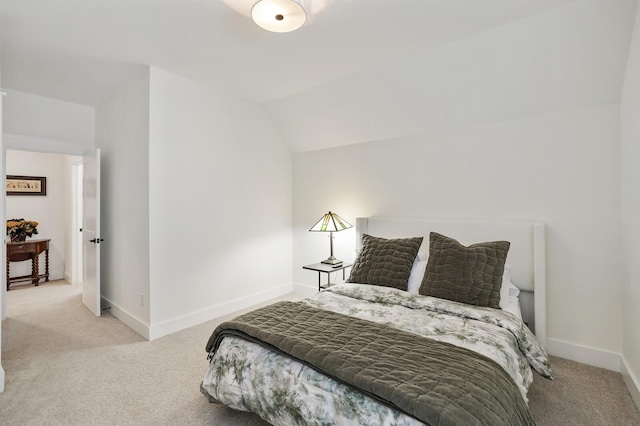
66, 367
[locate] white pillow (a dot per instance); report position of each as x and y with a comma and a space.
512, 305
509, 293
417, 273
508, 289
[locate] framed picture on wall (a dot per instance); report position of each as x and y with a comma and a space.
26, 185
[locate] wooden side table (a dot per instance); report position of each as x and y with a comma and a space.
28, 250
327, 269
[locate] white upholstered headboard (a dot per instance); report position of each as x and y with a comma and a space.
526, 253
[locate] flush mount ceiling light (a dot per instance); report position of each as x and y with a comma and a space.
279, 16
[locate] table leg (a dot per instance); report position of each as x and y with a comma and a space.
46, 263
35, 269
8, 273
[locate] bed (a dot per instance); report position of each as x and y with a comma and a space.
441, 323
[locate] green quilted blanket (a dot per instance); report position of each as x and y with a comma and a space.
434, 382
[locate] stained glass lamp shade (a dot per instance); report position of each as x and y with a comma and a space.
331, 223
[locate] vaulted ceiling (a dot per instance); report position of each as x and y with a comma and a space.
357, 71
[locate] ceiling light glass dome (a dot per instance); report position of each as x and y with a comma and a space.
279, 16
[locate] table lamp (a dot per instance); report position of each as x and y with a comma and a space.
331, 223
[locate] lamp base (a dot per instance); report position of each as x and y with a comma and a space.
332, 261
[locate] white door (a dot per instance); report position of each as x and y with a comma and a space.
91, 231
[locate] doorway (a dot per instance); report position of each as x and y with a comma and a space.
58, 212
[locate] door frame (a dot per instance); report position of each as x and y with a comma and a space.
31, 144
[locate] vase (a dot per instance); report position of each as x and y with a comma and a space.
18, 237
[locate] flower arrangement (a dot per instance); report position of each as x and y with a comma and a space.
20, 229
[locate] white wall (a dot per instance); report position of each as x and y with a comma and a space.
122, 134
562, 169
36, 123
49, 211
630, 183
31, 117
219, 204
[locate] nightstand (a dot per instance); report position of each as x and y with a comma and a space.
327, 269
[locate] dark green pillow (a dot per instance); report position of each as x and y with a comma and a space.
385, 262
471, 275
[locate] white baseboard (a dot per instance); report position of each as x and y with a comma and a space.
305, 290
632, 382
1, 379
67, 277
171, 326
584, 354
195, 318
128, 319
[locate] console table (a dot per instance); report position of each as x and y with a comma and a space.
28, 250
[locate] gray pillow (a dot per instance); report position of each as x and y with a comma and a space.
385, 262
471, 275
